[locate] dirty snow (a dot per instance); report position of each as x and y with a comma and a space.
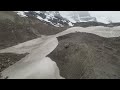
30, 65
39, 69
36, 65
98, 30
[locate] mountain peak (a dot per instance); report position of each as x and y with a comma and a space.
63, 18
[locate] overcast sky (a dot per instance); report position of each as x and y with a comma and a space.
112, 15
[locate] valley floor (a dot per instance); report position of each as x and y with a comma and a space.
38, 64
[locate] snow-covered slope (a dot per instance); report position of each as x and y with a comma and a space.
105, 17
50, 17
103, 20
65, 18
36, 65
59, 18
114, 16
77, 16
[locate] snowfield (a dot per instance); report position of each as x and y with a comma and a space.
36, 65
39, 69
98, 30
35, 62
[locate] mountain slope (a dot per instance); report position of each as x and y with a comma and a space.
50, 17
15, 29
87, 56
78, 55
77, 16
67, 18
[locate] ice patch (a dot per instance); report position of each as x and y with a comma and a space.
37, 12
70, 24
103, 20
21, 13
38, 17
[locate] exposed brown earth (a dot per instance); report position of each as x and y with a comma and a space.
87, 56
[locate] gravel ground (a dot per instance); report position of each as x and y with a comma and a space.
87, 56
8, 59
